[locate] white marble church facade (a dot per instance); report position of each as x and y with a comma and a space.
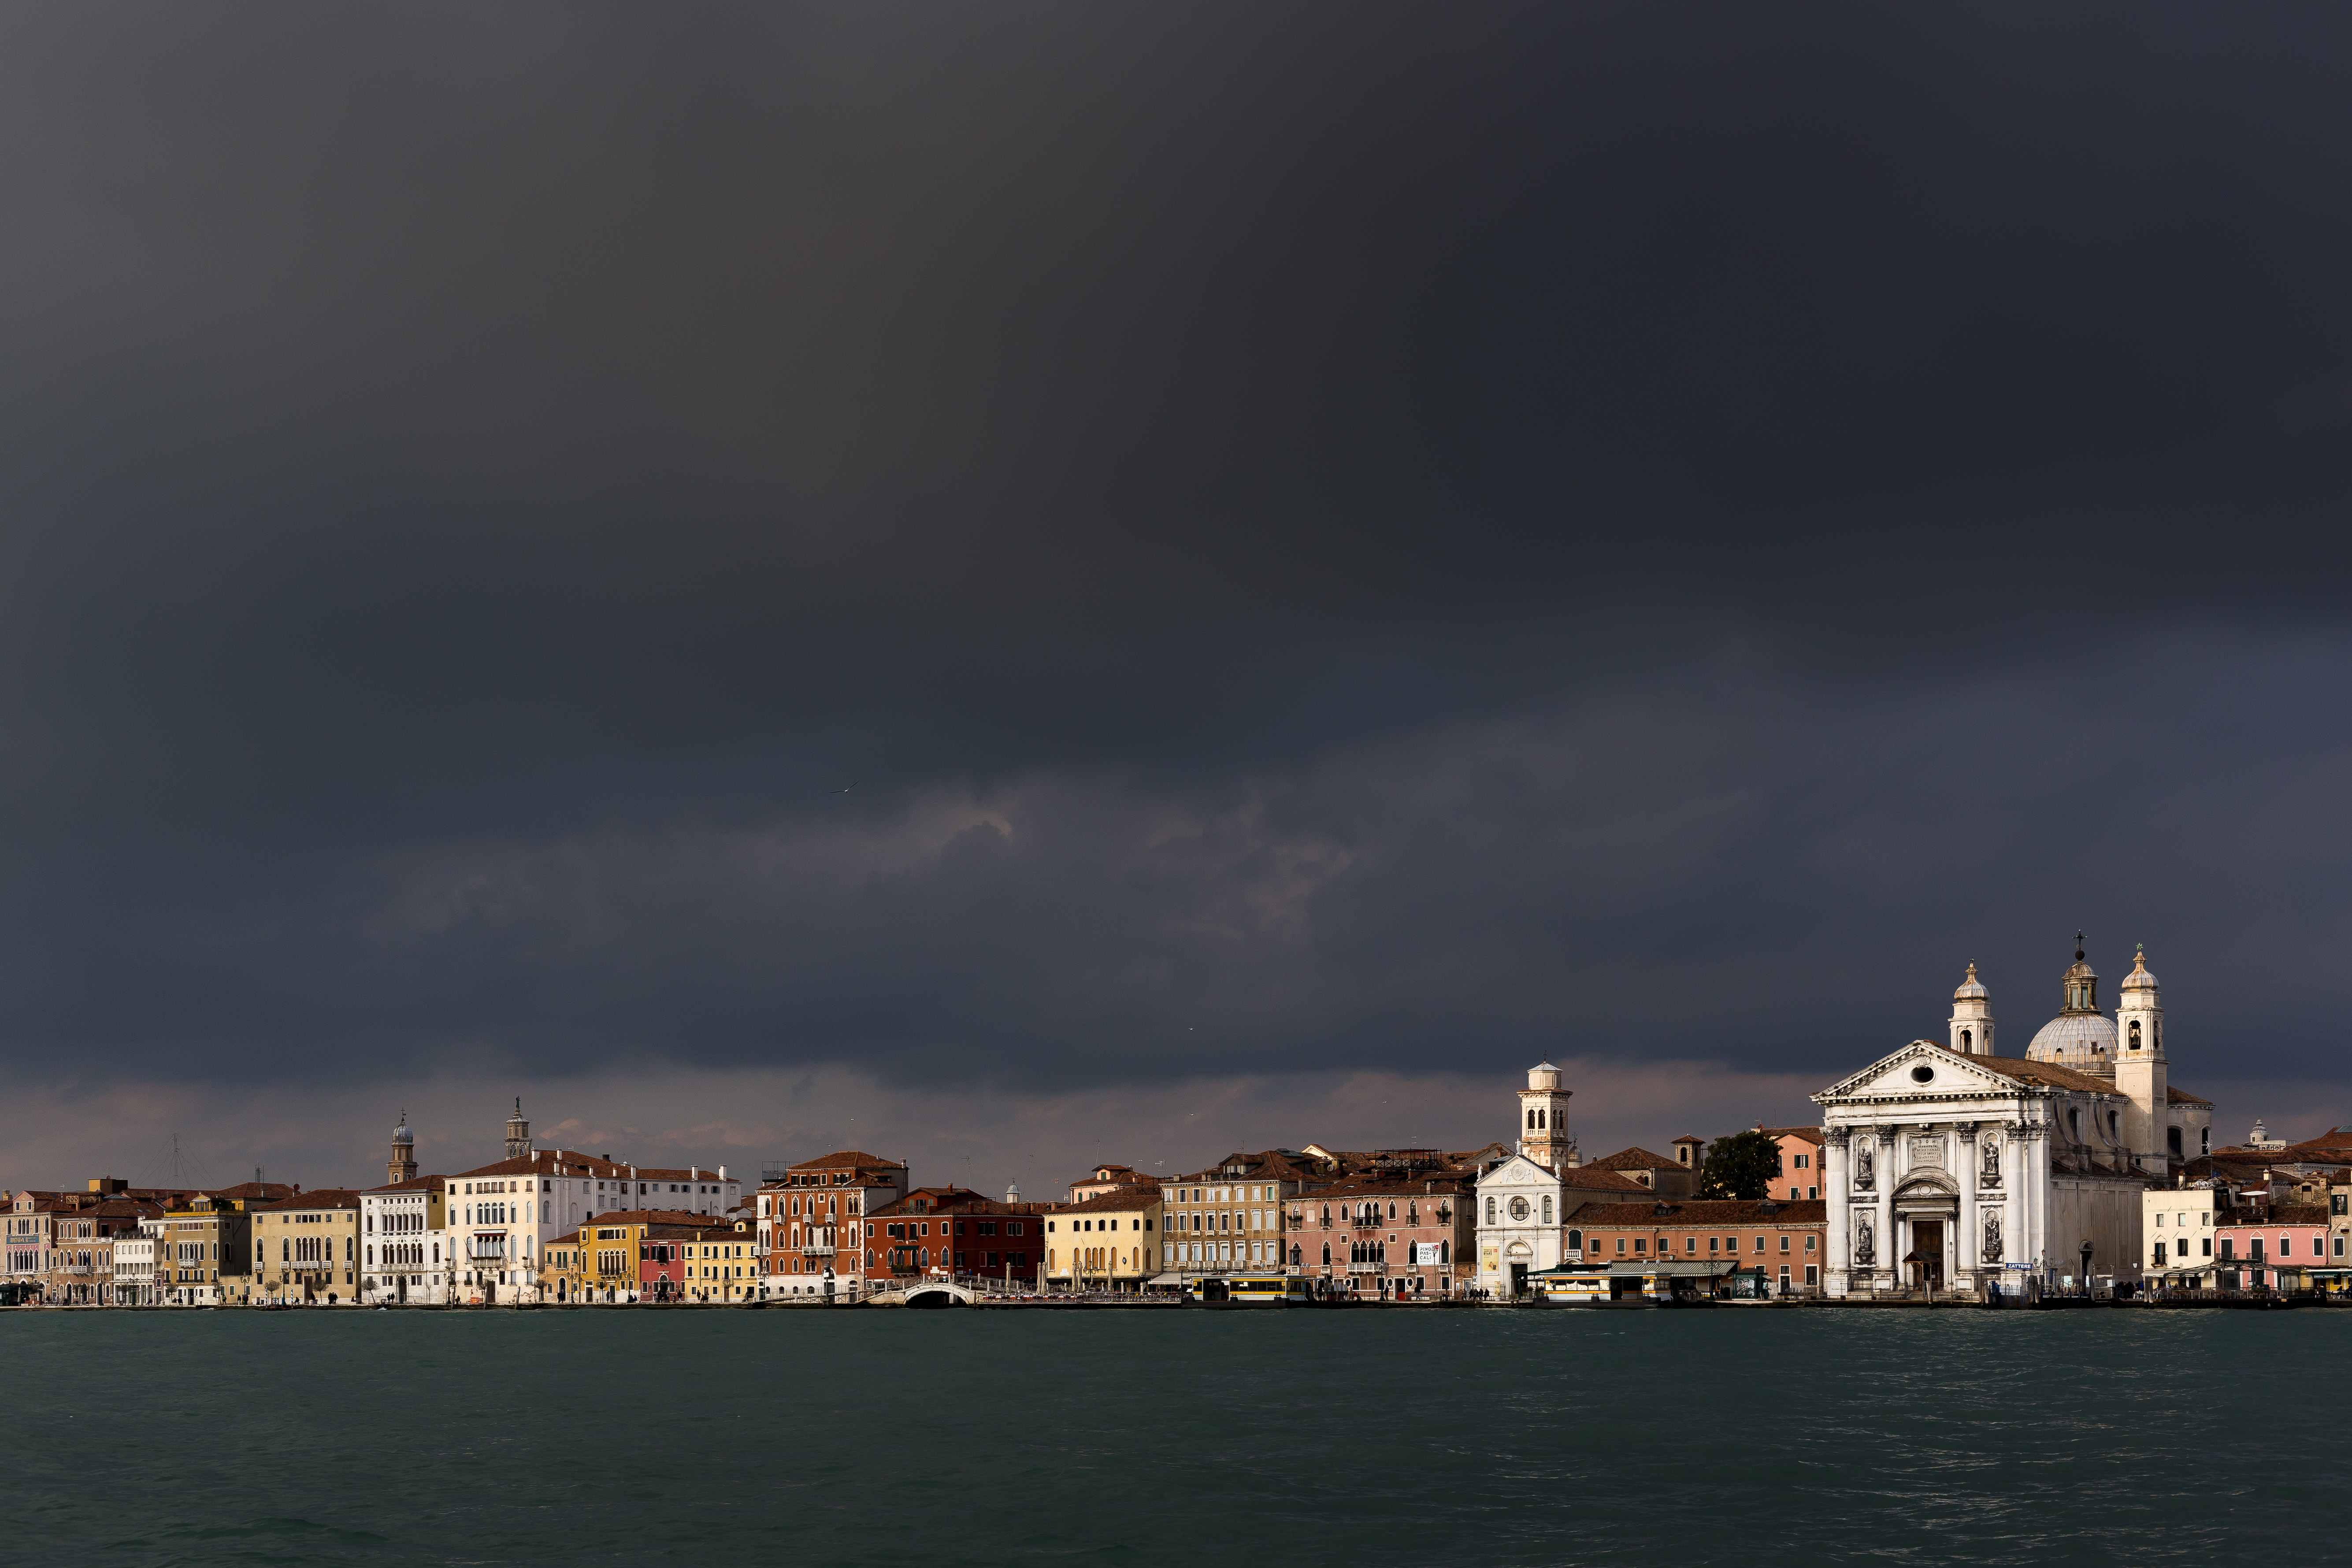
1945, 1162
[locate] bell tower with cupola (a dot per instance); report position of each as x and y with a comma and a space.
2140, 1067
402, 1166
1972, 1017
518, 1133
1543, 1120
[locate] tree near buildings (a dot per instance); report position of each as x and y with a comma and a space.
1741, 1166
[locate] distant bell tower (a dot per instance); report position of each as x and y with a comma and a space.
518, 1133
2140, 1076
402, 1166
1543, 1120
1972, 1017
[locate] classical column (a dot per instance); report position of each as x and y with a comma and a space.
1890, 1250
2034, 1159
1965, 1245
1837, 1257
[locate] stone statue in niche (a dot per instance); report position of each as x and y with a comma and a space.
1865, 1255
1992, 1238
1864, 1165
1991, 1176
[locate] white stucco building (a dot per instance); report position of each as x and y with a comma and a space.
1945, 1162
1519, 1198
501, 1217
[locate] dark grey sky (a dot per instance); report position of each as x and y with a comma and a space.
1347, 535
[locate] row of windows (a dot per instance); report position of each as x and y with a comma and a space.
1716, 1245
908, 1231
1086, 1225
1227, 1196
2285, 1247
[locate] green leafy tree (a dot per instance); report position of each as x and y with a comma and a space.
1741, 1166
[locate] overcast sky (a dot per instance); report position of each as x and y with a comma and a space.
1047, 555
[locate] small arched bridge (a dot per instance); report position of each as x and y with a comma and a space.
922, 1293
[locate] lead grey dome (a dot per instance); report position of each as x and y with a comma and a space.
2074, 1039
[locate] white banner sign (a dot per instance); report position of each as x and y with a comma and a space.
1424, 1253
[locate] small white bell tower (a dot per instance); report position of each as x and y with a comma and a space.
1972, 1017
1543, 1120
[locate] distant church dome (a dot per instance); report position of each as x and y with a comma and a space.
2080, 1037
401, 1135
1970, 989
2139, 979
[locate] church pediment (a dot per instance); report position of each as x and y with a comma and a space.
1521, 1171
1921, 1070
1937, 1185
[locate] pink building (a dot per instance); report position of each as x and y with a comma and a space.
1798, 1180
2272, 1252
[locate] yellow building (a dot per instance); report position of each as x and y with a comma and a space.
307, 1249
632, 1255
721, 1262
1108, 1243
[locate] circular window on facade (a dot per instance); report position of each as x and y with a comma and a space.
1519, 1208
1922, 1073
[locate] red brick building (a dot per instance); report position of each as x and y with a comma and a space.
811, 1221
1785, 1239
954, 1231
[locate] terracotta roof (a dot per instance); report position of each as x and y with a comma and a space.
1431, 1187
852, 1159
1636, 1159
955, 1201
1593, 1179
650, 1217
1810, 1134
2041, 1075
1701, 1213
324, 1198
414, 1184
2174, 1095
1134, 1201
264, 1191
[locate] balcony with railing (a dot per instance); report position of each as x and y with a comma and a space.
815, 1248
485, 1248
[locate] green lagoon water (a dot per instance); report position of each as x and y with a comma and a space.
1176, 1437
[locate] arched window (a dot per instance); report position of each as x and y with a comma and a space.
2134, 1034
1445, 1253
1327, 1221
1490, 1211
1391, 1210
1531, 1121
1546, 1208
1294, 1255
1576, 1241
1541, 1120
1327, 1255
1968, 1041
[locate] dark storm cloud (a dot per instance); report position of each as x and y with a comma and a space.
1345, 532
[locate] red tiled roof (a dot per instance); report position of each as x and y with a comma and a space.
850, 1159
2041, 1075
2175, 1095
1134, 1201
1636, 1159
324, 1198
1810, 1134
414, 1184
1593, 1179
1432, 1187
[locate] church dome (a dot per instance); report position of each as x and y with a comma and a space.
1971, 989
2139, 979
2080, 1035
2073, 1039
401, 1135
